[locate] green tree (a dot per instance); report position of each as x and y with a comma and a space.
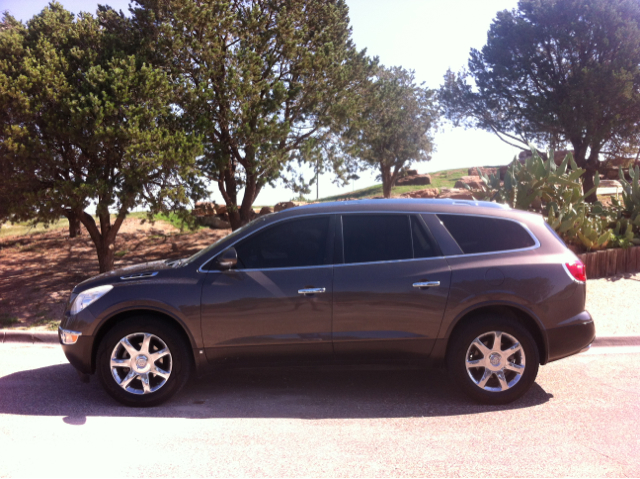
85, 123
260, 80
555, 72
393, 125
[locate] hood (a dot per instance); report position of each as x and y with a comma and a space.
115, 276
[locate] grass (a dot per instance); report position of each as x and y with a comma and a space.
439, 179
27, 228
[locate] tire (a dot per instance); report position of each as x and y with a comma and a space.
126, 367
488, 374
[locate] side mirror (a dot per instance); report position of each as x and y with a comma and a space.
227, 259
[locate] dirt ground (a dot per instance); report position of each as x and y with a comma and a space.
37, 272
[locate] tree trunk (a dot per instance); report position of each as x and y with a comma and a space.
580, 157
75, 228
106, 256
385, 172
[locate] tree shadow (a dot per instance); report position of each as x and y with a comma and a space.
618, 277
310, 393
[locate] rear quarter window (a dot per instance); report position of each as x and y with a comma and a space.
481, 234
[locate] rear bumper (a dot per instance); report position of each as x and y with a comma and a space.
571, 336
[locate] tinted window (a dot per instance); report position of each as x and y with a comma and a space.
290, 244
376, 238
422, 245
478, 234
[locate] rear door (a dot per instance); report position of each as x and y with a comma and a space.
390, 288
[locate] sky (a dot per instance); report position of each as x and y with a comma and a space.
427, 36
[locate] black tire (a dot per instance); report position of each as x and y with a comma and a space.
158, 388
484, 383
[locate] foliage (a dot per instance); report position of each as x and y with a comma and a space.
392, 126
86, 122
262, 81
555, 72
555, 191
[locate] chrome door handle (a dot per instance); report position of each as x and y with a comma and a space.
426, 284
308, 291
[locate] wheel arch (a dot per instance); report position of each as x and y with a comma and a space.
122, 316
524, 317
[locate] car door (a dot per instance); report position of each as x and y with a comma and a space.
391, 289
276, 303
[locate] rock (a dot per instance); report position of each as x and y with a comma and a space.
456, 194
215, 222
204, 208
426, 193
416, 180
265, 210
221, 209
488, 170
412, 172
285, 205
473, 182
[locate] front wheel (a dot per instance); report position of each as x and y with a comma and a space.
143, 361
493, 359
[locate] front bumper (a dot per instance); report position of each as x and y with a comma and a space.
571, 336
79, 353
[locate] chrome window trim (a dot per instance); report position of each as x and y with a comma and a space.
143, 275
536, 244
400, 211
389, 261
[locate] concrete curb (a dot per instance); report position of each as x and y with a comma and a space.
33, 337
51, 337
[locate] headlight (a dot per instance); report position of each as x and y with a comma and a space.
88, 297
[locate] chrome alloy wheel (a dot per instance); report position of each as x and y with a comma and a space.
495, 361
141, 363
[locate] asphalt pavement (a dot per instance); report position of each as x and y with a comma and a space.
580, 419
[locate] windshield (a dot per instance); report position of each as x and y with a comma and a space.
230, 236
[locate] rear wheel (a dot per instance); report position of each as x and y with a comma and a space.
143, 361
493, 359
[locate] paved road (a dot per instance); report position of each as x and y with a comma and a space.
582, 418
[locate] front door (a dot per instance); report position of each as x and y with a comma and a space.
391, 291
277, 302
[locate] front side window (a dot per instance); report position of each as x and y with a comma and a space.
369, 238
295, 243
482, 234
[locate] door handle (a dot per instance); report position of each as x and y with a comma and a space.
426, 284
309, 291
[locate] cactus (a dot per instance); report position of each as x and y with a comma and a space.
556, 192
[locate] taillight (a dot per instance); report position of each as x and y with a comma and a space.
577, 270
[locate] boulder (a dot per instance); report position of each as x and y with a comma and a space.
204, 208
265, 210
286, 205
215, 222
221, 209
456, 194
485, 170
412, 172
473, 182
426, 193
416, 180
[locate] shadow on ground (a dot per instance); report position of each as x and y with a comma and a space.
323, 393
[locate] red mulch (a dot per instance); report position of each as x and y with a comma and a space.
37, 272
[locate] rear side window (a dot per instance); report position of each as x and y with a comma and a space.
369, 238
290, 244
423, 247
479, 234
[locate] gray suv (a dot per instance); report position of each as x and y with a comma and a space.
488, 291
